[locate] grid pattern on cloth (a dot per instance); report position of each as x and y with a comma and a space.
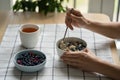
54, 68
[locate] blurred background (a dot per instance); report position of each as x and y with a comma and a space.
108, 7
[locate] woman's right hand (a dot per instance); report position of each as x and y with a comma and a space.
75, 18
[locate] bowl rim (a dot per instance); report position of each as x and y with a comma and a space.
57, 44
27, 26
19, 52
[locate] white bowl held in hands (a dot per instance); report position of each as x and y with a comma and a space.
69, 39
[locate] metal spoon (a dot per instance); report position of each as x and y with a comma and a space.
68, 9
65, 33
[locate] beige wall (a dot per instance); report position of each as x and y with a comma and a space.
102, 6
5, 5
95, 6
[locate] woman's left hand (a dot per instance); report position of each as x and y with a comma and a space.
84, 60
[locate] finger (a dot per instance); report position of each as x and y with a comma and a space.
70, 54
68, 21
68, 24
75, 12
81, 20
68, 9
75, 18
74, 23
75, 60
90, 52
86, 50
71, 63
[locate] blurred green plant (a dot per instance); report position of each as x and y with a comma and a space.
40, 6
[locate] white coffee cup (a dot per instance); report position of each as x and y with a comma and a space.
29, 35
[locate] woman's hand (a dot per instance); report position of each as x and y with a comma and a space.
83, 60
75, 18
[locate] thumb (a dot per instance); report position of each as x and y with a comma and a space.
76, 12
75, 18
85, 50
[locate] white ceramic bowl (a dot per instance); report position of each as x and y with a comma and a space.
33, 68
71, 39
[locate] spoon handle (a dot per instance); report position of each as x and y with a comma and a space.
65, 33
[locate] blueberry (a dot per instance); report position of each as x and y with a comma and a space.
72, 49
30, 59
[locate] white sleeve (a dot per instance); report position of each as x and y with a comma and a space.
117, 43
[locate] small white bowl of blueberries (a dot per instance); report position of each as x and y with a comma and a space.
30, 60
70, 44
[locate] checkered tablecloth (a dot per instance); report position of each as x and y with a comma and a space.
54, 68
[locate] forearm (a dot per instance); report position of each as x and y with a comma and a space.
110, 70
110, 29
